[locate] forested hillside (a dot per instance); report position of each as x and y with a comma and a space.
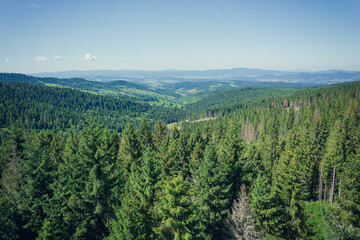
220, 99
177, 95
121, 89
38, 107
280, 167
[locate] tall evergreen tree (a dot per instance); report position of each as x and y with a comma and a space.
159, 133
290, 187
213, 194
130, 150
333, 157
232, 153
175, 210
266, 207
135, 217
145, 137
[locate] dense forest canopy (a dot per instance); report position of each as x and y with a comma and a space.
273, 164
40, 107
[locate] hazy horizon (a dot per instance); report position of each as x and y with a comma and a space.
160, 70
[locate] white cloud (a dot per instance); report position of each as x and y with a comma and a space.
6, 60
41, 59
89, 57
34, 5
59, 57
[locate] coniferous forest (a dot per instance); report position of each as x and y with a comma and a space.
281, 164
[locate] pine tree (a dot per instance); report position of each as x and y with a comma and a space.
169, 159
300, 148
9, 219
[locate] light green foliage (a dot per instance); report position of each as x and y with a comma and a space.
175, 210
159, 133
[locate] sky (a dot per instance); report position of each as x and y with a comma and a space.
54, 35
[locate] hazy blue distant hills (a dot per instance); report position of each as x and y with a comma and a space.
159, 74
316, 78
161, 78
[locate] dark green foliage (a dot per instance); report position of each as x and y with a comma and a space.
231, 152
266, 207
130, 149
226, 98
145, 137
213, 194
39, 107
9, 219
297, 155
289, 189
120, 89
135, 217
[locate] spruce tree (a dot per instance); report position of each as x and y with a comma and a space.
333, 157
232, 153
291, 188
213, 194
175, 210
135, 217
266, 207
84, 193
159, 133
349, 189
130, 150
145, 137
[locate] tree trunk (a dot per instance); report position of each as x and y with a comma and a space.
320, 180
332, 186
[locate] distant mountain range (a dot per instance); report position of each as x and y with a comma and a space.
160, 78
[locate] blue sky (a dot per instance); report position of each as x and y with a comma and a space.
54, 35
